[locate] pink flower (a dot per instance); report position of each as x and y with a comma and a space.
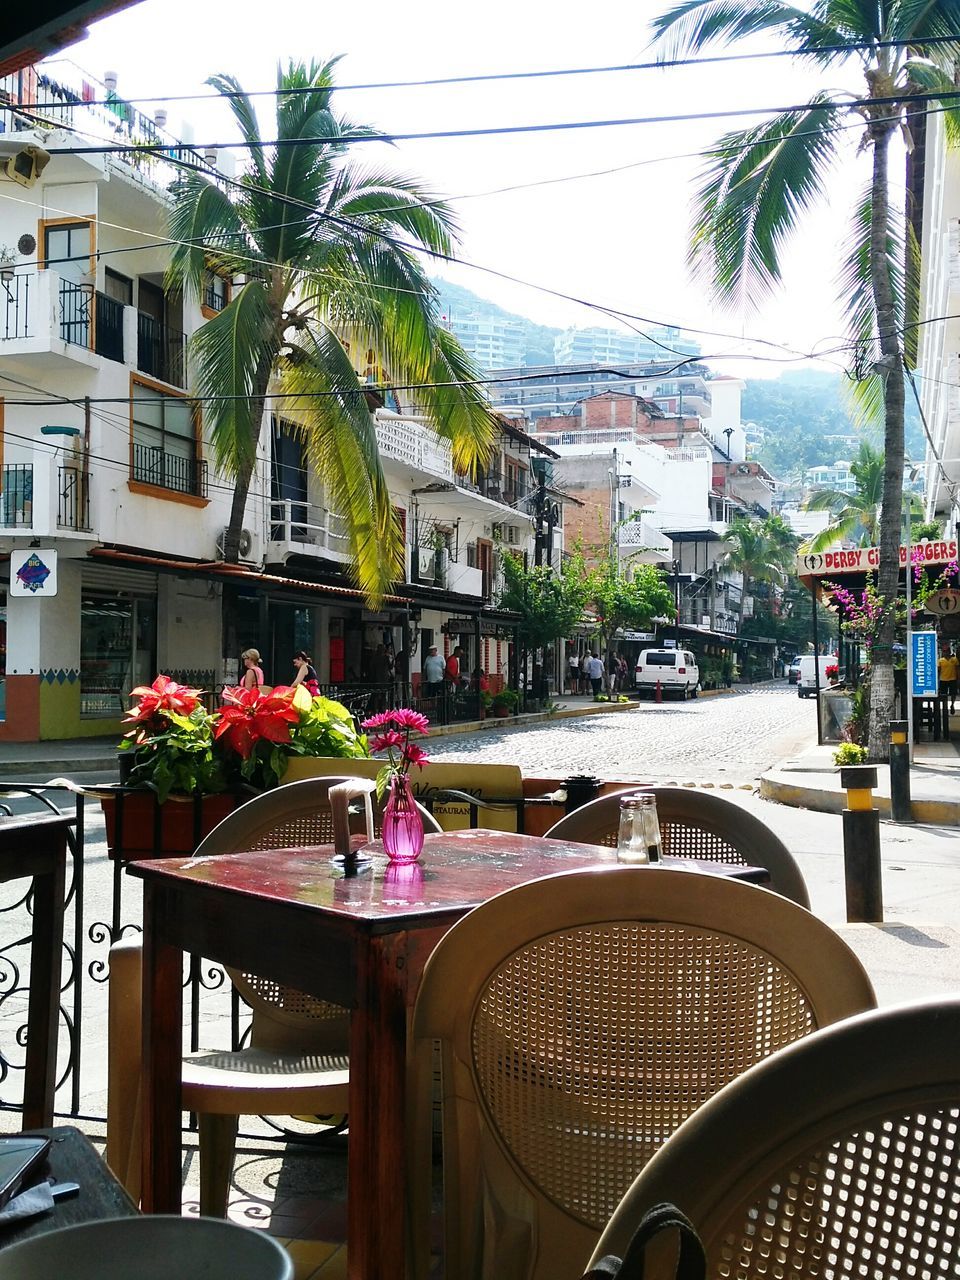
384, 741
413, 754
399, 718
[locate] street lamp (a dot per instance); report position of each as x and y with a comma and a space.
728, 432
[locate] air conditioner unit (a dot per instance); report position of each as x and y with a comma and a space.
246, 542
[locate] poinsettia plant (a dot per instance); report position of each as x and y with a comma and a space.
180, 747
391, 732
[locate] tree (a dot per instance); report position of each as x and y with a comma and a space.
550, 604
756, 552
621, 602
856, 516
317, 250
763, 179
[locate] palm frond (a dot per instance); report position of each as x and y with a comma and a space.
340, 437
205, 224
691, 26
864, 399
751, 200
246, 118
233, 354
855, 288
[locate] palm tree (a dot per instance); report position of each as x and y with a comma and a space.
313, 243
765, 178
753, 552
856, 516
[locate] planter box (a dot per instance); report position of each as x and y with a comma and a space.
139, 827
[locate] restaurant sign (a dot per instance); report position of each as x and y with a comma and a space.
830, 564
468, 626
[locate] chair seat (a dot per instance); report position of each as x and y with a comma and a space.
251, 1081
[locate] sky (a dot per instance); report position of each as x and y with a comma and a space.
612, 239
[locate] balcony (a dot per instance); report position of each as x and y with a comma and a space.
160, 350
46, 498
15, 300
302, 528
153, 466
413, 444
643, 543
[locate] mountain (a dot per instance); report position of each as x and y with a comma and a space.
800, 409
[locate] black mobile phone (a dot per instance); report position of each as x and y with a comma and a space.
19, 1158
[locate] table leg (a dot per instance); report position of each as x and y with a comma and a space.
376, 1155
46, 947
162, 1060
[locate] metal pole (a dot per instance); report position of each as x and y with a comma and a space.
861, 845
816, 662
900, 772
909, 680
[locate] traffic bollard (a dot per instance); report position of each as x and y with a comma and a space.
861, 845
658, 693
900, 808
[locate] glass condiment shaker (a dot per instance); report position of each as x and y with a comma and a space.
638, 839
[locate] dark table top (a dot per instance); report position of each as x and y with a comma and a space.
457, 871
73, 1158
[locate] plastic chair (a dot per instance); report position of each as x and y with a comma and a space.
835, 1157
153, 1247
581, 1018
296, 1062
694, 824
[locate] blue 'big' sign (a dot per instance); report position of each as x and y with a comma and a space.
923, 664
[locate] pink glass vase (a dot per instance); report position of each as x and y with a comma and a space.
402, 825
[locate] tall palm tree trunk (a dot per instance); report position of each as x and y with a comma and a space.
244, 472
881, 681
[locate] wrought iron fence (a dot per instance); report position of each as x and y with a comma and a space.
160, 350
75, 311
73, 499
108, 330
152, 465
16, 496
15, 299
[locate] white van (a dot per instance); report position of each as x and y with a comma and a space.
807, 680
676, 670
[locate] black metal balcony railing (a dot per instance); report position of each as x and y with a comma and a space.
16, 496
15, 300
214, 300
108, 330
152, 465
73, 499
75, 311
160, 350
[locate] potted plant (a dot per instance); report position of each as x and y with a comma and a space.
402, 828
187, 768
505, 702
833, 673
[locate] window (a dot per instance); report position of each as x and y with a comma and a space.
68, 250
216, 294
165, 452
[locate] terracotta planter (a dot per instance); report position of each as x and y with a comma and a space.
141, 837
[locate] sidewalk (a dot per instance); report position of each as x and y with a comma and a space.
812, 781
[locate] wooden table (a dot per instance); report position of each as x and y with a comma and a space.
358, 939
35, 846
73, 1158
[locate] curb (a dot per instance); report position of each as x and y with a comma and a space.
944, 813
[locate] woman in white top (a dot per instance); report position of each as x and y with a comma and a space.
253, 675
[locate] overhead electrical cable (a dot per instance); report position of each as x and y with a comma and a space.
660, 64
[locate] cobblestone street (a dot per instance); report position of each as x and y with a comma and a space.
732, 737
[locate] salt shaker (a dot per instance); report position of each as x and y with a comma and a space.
638, 839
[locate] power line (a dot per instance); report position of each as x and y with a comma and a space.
337, 140
486, 77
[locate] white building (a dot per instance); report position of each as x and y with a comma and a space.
107, 467
595, 345
493, 342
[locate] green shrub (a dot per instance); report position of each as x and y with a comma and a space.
850, 753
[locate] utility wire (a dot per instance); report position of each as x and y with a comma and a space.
615, 68
563, 126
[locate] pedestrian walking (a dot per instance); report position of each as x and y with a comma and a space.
585, 670
595, 674
253, 672
433, 669
573, 671
948, 668
306, 674
614, 672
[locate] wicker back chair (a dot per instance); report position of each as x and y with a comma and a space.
581, 1018
296, 1062
694, 824
836, 1156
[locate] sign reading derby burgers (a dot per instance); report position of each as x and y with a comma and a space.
829, 564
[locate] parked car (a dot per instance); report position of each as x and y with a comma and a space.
675, 669
793, 671
807, 681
